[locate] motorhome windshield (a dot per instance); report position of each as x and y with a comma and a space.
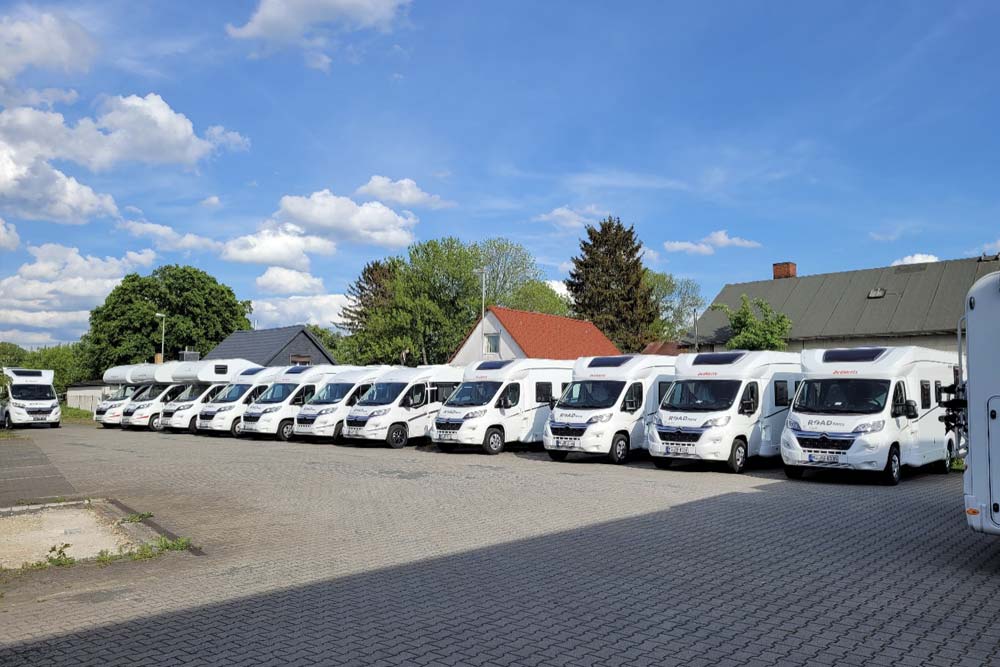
473, 393
842, 396
232, 393
154, 391
701, 395
192, 391
32, 392
383, 393
591, 394
122, 393
334, 392
278, 393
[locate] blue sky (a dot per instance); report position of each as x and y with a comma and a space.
280, 146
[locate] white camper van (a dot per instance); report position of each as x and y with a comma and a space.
870, 408
606, 407
402, 404
224, 413
725, 406
501, 401
273, 412
29, 398
323, 416
144, 409
203, 381
980, 393
109, 410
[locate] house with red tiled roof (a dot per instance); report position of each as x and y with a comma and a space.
519, 334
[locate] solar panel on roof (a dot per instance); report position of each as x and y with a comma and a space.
493, 365
608, 362
717, 358
295, 370
853, 355
27, 373
251, 371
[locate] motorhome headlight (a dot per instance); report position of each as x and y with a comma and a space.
224, 408
54, 404
793, 424
474, 414
142, 406
17, 404
327, 411
870, 427
183, 406
379, 412
600, 419
268, 411
717, 421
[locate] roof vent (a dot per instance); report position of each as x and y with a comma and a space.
876, 293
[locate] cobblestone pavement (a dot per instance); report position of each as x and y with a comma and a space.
315, 554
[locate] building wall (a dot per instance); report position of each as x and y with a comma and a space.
948, 343
300, 345
85, 398
472, 350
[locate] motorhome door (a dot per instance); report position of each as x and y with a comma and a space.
993, 445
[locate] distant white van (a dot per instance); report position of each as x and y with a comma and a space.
28, 397
109, 411
501, 401
203, 381
605, 408
402, 404
725, 406
870, 408
273, 412
144, 409
324, 414
224, 413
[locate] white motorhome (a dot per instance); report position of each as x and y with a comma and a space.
501, 401
323, 416
109, 410
273, 412
606, 407
224, 413
402, 404
28, 397
870, 408
980, 414
725, 406
145, 408
203, 381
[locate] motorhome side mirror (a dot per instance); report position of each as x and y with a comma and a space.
552, 404
630, 406
746, 408
911, 410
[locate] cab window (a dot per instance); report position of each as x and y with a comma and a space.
899, 400
416, 396
543, 392
304, 394
358, 393
633, 398
513, 394
750, 400
781, 398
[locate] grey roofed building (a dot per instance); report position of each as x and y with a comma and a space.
284, 346
910, 304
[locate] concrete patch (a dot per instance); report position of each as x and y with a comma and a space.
26, 537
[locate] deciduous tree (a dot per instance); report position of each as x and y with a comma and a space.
768, 331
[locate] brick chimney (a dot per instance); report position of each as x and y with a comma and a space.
785, 270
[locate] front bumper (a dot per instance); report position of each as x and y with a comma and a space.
469, 433
138, 419
710, 446
864, 454
595, 440
220, 423
372, 430
266, 425
324, 426
180, 420
22, 417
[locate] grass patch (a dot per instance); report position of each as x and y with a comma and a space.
958, 465
137, 517
75, 415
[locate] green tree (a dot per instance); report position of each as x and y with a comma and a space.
68, 363
677, 300
370, 292
768, 331
200, 313
508, 266
607, 287
11, 354
537, 296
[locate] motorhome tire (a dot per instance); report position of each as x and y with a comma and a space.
193, 426
619, 449
236, 428
662, 462
893, 467
944, 467
493, 442
7, 423
738, 456
556, 455
396, 437
338, 432
285, 429
794, 472
154, 423
56, 425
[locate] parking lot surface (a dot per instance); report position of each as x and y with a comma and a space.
319, 554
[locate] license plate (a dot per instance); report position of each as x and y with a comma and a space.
566, 443
38, 418
353, 430
447, 435
824, 458
249, 426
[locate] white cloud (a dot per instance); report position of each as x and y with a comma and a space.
222, 138
279, 280
212, 201
567, 218
284, 245
372, 222
992, 247
709, 244
649, 254
917, 258
322, 309
289, 21
43, 40
565, 267
11, 96
404, 192
9, 239
167, 238
559, 287
28, 339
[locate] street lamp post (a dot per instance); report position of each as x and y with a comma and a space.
482, 315
163, 334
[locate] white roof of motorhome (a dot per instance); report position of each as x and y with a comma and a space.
870, 360
309, 374
121, 374
735, 363
213, 370
259, 375
162, 373
29, 375
621, 367
441, 373
359, 375
503, 369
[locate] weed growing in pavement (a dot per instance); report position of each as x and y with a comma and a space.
180, 544
58, 556
137, 517
143, 552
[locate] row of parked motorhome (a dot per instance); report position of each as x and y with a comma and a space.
874, 408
